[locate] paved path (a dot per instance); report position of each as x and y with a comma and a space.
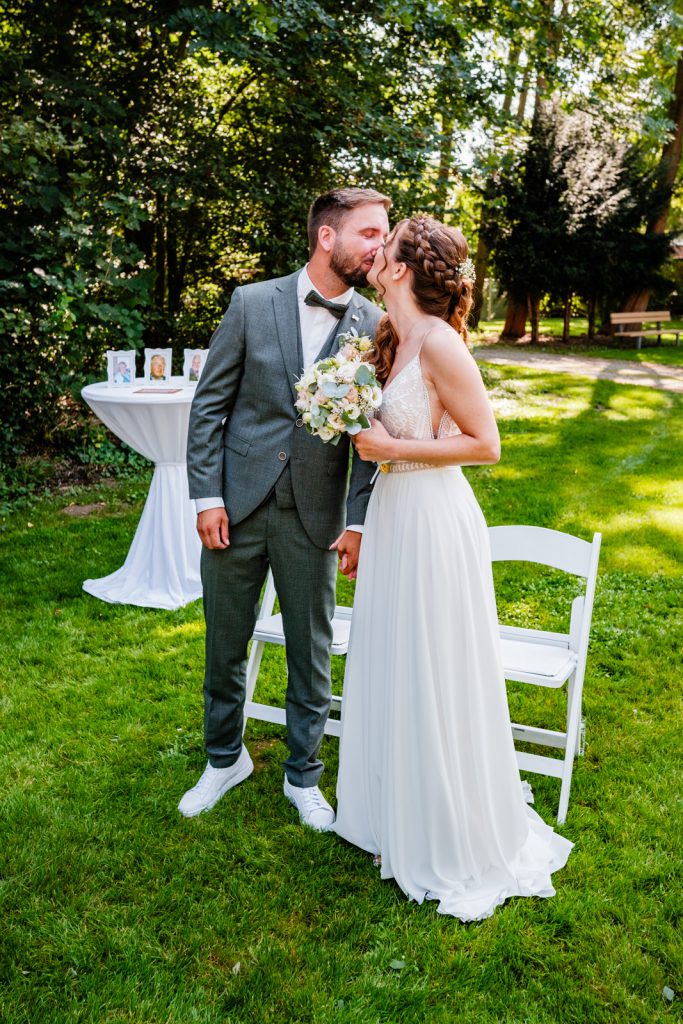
621, 371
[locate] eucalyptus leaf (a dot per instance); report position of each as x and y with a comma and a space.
364, 374
333, 390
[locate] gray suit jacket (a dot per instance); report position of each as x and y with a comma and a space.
244, 428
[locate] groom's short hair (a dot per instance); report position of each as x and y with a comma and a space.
331, 207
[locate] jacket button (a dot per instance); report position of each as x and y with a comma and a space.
299, 422
282, 456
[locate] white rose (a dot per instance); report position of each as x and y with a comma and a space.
347, 372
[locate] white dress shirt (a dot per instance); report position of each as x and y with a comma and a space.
316, 324
316, 321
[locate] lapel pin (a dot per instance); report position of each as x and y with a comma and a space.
354, 317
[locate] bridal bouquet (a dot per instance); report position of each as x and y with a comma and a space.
336, 394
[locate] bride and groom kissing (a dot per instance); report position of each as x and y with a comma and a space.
428, 781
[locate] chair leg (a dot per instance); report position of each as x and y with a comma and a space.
564, 796
578, 751
253, 666
573, 726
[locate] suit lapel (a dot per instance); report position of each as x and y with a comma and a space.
286, 308
353, 318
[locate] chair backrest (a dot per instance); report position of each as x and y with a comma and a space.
547, 547
558, 551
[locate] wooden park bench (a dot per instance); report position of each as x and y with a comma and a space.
638, 322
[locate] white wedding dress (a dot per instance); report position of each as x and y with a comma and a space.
428, 778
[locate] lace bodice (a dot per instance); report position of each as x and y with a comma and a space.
406, 411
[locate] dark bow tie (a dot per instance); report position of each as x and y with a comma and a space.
337, 309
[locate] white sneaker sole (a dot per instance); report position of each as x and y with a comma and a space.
243, 774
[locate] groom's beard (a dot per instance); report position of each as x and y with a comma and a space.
354, 275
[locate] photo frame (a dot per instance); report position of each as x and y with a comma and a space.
194, 364
158, 365
120, 368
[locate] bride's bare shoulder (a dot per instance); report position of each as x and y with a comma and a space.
443, 344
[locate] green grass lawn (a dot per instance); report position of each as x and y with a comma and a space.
115, 909
551, 341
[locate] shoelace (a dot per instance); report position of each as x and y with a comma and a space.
204, 780
313, 799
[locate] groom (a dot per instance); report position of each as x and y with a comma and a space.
270, 494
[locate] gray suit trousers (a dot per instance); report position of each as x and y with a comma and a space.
305, 580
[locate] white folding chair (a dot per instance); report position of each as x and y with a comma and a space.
268, 630
550, 659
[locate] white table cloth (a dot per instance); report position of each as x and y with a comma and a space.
162, 566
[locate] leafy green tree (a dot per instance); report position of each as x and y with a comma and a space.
531, 225
155, 155
572, 209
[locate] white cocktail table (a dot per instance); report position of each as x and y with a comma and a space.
161, 569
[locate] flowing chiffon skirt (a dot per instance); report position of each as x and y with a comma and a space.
428, 778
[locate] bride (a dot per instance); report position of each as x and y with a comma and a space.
428, 780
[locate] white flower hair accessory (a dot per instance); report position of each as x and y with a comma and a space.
466, 270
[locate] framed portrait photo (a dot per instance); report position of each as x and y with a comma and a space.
194, 364
121, 368
158, 365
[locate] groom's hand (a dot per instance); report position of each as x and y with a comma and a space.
212, 527
347, 546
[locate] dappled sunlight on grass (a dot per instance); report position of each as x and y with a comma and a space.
669, 492
643, 559
639, 403
185, 630
604, 457
504, 472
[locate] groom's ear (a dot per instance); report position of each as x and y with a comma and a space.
326, 237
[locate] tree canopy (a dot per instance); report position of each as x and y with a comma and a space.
156, 154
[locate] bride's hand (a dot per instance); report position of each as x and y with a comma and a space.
374, 445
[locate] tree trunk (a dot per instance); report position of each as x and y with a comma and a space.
175, 281
445, 164
481, 257
567, 317
534, 303
524, 93
143, 239
480, 265
513, 61
591, 317
515, 320
160, 254
666, 178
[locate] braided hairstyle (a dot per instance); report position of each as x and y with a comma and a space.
434, 253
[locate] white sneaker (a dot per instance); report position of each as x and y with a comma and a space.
213, 784
312, 806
